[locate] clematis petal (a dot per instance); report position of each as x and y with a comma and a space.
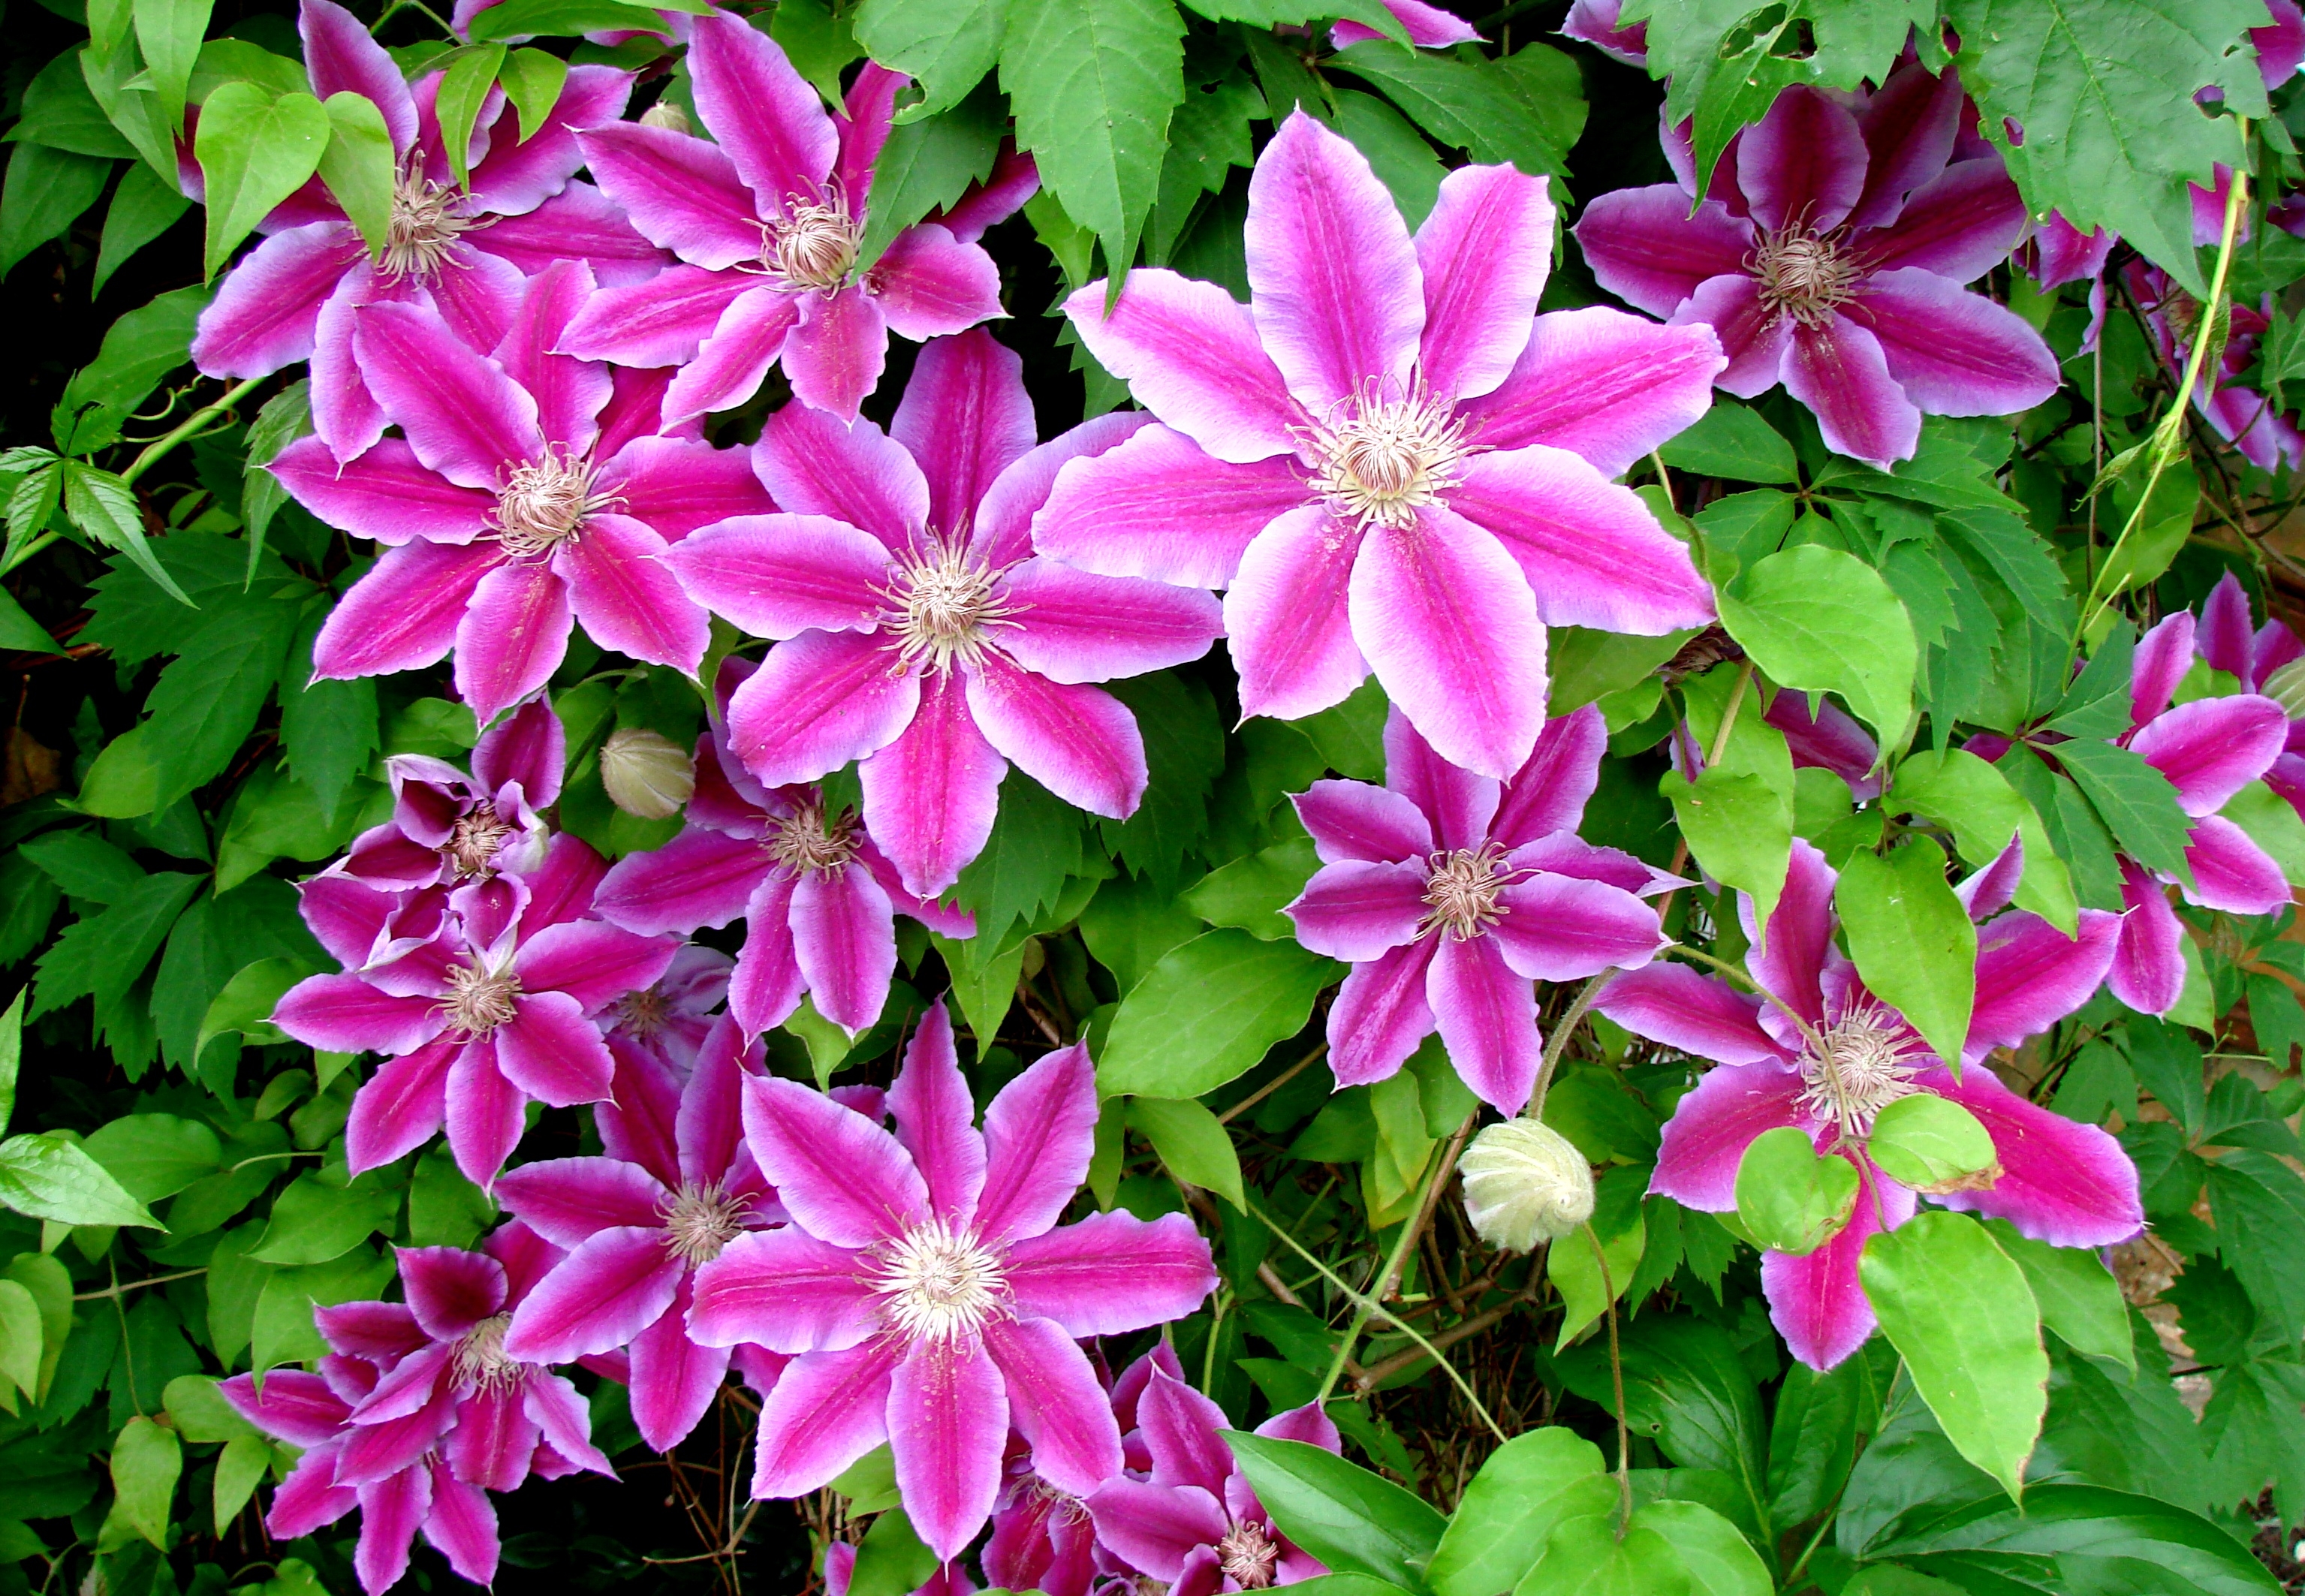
1646, 247
845, 1180
1713, 1123
2231, 871
512, 636
949, 1414
463, 416
785, 1290
1077, 627
386, 494
1485, 253
935, 1118
1804, 163
781, 575
682, 194
1156, 1527
1425, 25
401, 1107
1181, 1432
1289, 616
2223, 636
1445, 619
1558, 928
836, 352
628, 597
1698, 1015
2163, 654
1459, 805
1056, 1403
1160, 506
494, 1441
1790, 961
1354, 820
393, 1508
1590, 551
2212, 748
462, 1526
404, 613
591, 962
845, 937
763, 112
1381, 1014
1815, 1301
965, 418
265, 309
610, 1289
1958, 227
1548, 793
931, 283
2148, 962
931, 795
554, 1053
347, 1015
1079, 742
699, 879
1954, 352
1842, 373
1486, 1015
658, 321
677, 485
815, 465
1039, 1134
1754, 336
1189, 353
310, 1499
753, 333
2062, 1183
816, 704
1111, 1273
1333, 273
1354, 910
569, 1201
1012, 500
484, 1118
1601, 384
827, 1411
674, 1380
2030, 975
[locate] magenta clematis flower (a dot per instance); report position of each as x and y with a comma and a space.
1427, 26
2209, 749
819, 900
928, 1292
492, 1010
1451, 895
2244, 417
448, 827
523, 495
1196, 1523
767, 222
1597, 23
463, 251
667, 1022
1831, 257
1390, 460
925, 638
1820, 1053
636, 1225
2223, 638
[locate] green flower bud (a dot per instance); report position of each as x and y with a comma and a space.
1525, 1183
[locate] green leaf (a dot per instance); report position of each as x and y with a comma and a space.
1739, 828
1191, 1142
463, 87
1586, 1556
239, 1468
817, 40
1790, 1198
945, 46
2272, 825
200, 1413
60, 113
1524, 1488
51, 1288
1733, 442
2060, 1521
45, 192
2136, 802
206, 700
526, 18
21, 1340
1352, 1520
1207, 1011
892, 1560
322, 1217
12, 1054
255, 151
926, 165
169, 32
105, 507
246, 1002
1034, 846
1934, 1145
1958, 1309
156, 1155
1184, 754
1473, 105
2258, 1203
1094, 83
143, 206
146, 1460
1617, 1235
48, 1177
1250, 893
2104, 90
1813, 1436
139, 350
1815, 618
2078, 1298
84, 865
101, 957
532, 80
281, 1328
1719, 1561
328, 728
359, 166
445, 1209
1913, 943
1965, 795
285, 417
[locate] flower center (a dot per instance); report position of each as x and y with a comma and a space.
479, 999
1804, 275
479, 1357
545, 502
806, 840
473, 841
1858, 1067
1461, 890
1249, 1556
940, 1283
941, 602
812, 245
642, 1014
423, 224
700, 1221
1381, 459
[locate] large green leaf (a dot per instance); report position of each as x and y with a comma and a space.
59, 112
2078, 1295
946, 45
1791, 1200
1913, 942
1191, 1142
1524, 1489
48, 1177
1739, 828
1586, 1556
1933, 1144
1353, 1521
169, 32
255, 151
1207, 1011
2060, 1520
1470, 104
156, 1155
358, 165
1817, 618
45, 192
1957, 1307
147, 1458
2136, 802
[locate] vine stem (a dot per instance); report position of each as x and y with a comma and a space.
1388, 1280
1558, 1043
161, 445
1616, 1383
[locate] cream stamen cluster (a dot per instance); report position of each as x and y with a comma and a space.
479, 999
808, 841
700, 1221
1249, 1556
545, 502
1380, 460
642, 1014
1460, 890
937, 1284
1856, 1067
480, 1358
473, 841
1804, 275
424, 222
813, 246
942, 601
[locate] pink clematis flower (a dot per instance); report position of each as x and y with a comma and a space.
2223, 638
2266, 437
1451, 895
492, 1010
1196, 1523
2209, 749
1823, 1054
928, 1292
667, 1022
768, 221
525, 495
1597, 23
1427, 26
463, 251
819, 900
1831, 257
448, 827
676, 1187
1388, 458
926, 639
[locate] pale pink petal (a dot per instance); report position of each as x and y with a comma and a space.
1485, 251
393, 1508
2064, 1183
845, 1180
1549, 792
818, 702
936, 1118
928, 284
1180, 1431
1380, 1016
293, 1405
678, 484
1755, 335
930, 796
1645, 248
484, 1116
1601, 384
947, 1417
787, 1291
767, 984
1189, 353
346, 1014
2163, 654
2030, 975
1014, 499
2149, 961
462, 1526
1354, 910
1817, 1301
1039, 1134
1425, 25
1352, 819
1790, 960
1698, 1015
341, 57
1486, 1015
1160, 506
1288, 620
1056, 1403
569, 393
1111, 1273
517, 175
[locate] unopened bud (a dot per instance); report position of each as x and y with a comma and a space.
646, 775
668, 115
2286, 687
1525, 1183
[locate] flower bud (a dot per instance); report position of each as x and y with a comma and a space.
668, 115
1525, 1183
2286, 687
646, 775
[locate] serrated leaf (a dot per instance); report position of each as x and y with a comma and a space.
2136, 802
1464, 104
925, 166
945, 46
